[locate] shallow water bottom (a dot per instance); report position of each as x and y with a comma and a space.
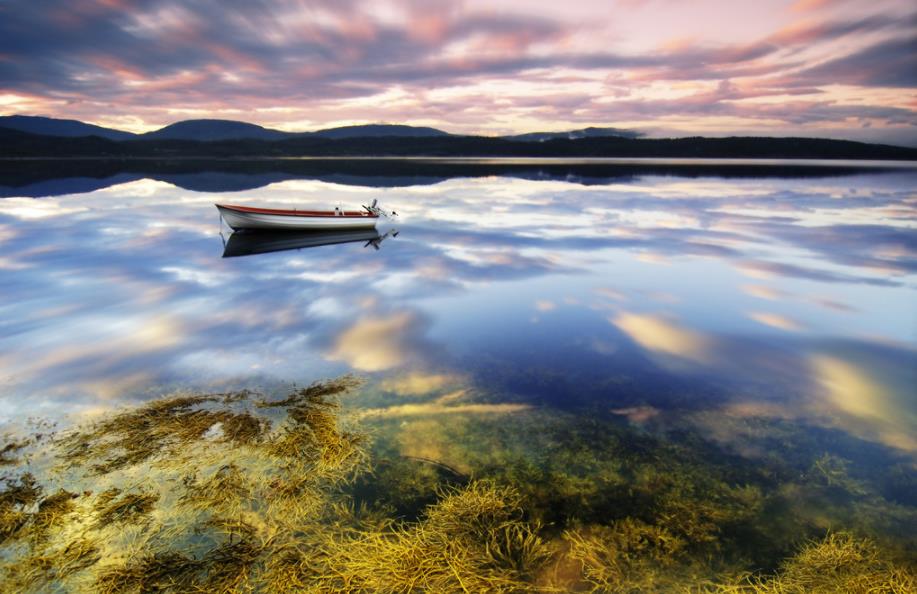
318, 490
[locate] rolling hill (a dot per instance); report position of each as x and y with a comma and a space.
575, 134
57, 127
208, 130
377, 130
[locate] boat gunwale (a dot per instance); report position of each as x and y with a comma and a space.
353, 214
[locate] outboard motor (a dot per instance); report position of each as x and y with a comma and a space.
374, 209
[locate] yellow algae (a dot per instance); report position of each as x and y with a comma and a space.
237, 493
626, 556
275, 480
39, 572
16, 498
838, 563
51, 514
9, 451
115, 507
472, 540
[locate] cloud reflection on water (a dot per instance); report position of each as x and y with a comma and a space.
111, 291
378, 343
659, 335
868, 397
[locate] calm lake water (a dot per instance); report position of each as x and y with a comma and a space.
762, 319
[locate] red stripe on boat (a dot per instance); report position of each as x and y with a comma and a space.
299, 213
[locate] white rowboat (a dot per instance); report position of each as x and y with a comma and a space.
251, 217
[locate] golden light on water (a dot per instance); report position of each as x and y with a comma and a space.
775, 321
417, 383
374, 343
664, 336
865, 405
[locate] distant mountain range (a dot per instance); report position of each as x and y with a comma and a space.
28, 136
214, 130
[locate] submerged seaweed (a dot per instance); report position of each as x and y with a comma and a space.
840, 562
160, 428
114, 507
16, 497
52, 513
42, 571
224, 489
224, 568
232, 493
10, 450
472, 540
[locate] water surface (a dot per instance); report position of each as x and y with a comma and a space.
755, 320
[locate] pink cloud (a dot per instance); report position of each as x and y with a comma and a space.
811, 5
429, 28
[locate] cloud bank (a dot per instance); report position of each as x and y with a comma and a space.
710, 67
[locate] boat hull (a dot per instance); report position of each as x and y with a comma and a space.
239, 218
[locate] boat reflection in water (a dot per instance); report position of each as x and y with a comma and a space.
247, 243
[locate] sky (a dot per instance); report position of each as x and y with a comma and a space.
829, 68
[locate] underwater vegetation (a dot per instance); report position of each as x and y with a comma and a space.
473, 539
643, 507
184, 493
626, 556
236, 492
9, 450
838, 563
